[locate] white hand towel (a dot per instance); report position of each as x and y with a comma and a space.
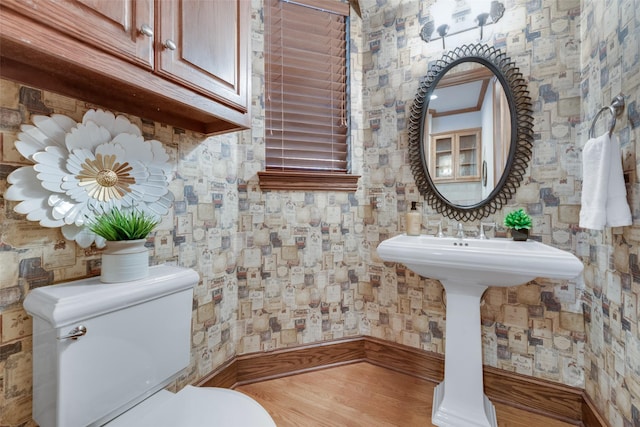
596, 163
604, 195
618, 212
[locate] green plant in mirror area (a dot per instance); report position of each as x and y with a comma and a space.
117, 225
518, 220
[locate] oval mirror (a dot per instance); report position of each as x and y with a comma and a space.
470, 132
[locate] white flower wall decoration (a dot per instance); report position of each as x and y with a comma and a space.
83, 169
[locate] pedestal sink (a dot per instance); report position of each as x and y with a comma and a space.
466, 267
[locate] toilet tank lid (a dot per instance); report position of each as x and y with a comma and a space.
71, 302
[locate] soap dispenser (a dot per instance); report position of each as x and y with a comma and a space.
414, 221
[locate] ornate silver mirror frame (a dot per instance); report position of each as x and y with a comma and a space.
515, 88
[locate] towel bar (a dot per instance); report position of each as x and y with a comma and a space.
616, 108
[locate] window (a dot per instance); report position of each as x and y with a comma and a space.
306, 101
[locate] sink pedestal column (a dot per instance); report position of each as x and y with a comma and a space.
459, 400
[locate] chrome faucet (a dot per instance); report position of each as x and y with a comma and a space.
437, 222
482, 226
460, 233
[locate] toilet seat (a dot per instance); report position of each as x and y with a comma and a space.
196, 407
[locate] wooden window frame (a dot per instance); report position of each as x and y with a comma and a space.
303, 178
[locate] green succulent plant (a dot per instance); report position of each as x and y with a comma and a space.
117, 225
518, 220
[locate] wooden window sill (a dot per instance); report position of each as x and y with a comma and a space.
307, 181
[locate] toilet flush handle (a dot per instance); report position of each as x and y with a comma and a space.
75, 333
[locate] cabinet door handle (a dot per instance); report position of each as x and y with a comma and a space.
146, 30
170, 44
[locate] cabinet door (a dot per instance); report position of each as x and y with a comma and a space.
442, 157
456, 156
468, 155
111, 25
203, 44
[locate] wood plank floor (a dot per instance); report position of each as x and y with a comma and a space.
362, 394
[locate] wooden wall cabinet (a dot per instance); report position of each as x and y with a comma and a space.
456, 156
182, 63
211, 68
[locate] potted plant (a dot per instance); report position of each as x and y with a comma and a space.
519, 222
125, 257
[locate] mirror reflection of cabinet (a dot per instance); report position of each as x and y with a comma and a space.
455, 156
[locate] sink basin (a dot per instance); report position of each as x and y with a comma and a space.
490, 262
466, 267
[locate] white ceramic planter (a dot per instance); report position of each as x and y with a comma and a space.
124, 260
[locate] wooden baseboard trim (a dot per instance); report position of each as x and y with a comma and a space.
262, 366
590, 415
225, 376
565, 403
408, 360
534, 395
296, 360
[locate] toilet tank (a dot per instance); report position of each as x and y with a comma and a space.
137, 339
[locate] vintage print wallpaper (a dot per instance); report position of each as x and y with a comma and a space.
288, 268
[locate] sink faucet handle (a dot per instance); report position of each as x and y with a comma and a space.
482, 226
437, 222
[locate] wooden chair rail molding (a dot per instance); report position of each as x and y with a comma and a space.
565, 403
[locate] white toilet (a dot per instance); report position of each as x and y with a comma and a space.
103, 353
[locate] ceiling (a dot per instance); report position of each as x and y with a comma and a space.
455, 99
